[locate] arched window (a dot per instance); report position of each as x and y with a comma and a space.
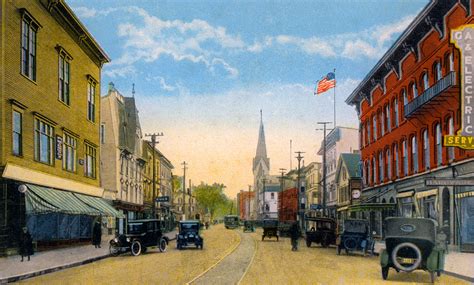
438, 73
389, 164
426, 150
381, 166
369, 173
374, 170
395, 110
382, 122
426, 81
397, 164
414, 154
414, 90
450, 132
451, 62
368, 131
387, 117
405, 97
374, 123
439, 154
405, 157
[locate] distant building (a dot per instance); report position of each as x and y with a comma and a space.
339, 140
349, 183
246, 203
313, 186
288, 205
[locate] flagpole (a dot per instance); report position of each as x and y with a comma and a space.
335, 83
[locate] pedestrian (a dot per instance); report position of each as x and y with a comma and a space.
97, 234
294, 235
26, 244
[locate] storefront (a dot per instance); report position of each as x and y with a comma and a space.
465, 212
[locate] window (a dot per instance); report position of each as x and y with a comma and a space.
405, 158
91, 100
437, 71
397, 164
368, 131
362, 135
64, 76
414, 90
70, 153
389, 164
44, 133
395, 110
28, 47
90, 163
382, 123
344, 176
375, 127
369, 171
414, 155
426, 150
374, 170
405, 97
387, 117
426, 81
450, 132
451, 62
439, 154
272, 196
102, 133
17, 129
406, 207
381, 166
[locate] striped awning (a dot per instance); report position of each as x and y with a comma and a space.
428, 193
40, 200
371, 207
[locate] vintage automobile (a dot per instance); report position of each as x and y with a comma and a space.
141, 235
189, 234
320, 230
355, 236
249, 226
270, 228
231, 221
410, 245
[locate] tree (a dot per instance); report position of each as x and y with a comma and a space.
210, 198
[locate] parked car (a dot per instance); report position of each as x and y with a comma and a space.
141, 235
231, 221
410, 245
355, 236
189, 234
270, 228
320, 230
249, 226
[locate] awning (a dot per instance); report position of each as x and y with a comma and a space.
345, 208
465, 194
371, 207
423, 194
40, 200
405, 194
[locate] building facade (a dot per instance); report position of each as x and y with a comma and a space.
339, 140
406, 104
245, 200
313, 185
349, 183
122, 161
49, 110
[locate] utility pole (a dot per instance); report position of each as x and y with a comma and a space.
282, 170
153, 143
184, 164
300, 209
248, 198
324, 164
264, 180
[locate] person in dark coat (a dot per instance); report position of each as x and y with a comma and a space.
26, 244
97, 234
294, 235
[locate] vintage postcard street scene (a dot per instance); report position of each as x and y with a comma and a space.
237, 142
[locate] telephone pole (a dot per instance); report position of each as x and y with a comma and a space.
153, 143
324, 164
300, 199
184, 164
248, 199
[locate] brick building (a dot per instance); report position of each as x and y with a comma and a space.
406, 104
245, 200
288, 205
49, 109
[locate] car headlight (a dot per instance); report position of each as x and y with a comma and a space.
129, 240
116, 240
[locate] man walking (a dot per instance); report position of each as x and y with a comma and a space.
294, 235
97, 234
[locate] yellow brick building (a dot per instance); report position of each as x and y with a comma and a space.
50, 118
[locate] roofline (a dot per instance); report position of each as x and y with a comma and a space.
391, 50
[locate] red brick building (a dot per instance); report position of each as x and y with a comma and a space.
288, 205
406, 104
246, 203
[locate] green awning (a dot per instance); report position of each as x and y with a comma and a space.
41, 200
371, 207
99, 204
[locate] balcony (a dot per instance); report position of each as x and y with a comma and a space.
430, 94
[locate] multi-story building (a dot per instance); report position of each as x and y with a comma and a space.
166, 189
245, 200
149, 194
349, 183
339, 140
406, 104
313, 186
49, 110
268, 197
122, 162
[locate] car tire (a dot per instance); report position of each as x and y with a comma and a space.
350, 243
162, 245
385, 272
113, 249
136, 248
414, 265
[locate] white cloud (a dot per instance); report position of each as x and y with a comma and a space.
122, 71
86, 12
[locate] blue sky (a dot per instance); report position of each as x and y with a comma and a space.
203, 69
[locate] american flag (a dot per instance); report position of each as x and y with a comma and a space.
328, 82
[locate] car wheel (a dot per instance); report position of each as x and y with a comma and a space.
136, 248
113, 249
414, 249
163, 245
350, 243
308, 243
385, 272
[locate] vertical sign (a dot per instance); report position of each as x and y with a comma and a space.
59, 147
463, 39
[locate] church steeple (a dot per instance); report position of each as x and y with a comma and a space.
261, 153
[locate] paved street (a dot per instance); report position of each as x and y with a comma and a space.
232, 257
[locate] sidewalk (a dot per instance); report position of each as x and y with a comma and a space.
11, 269
457, 264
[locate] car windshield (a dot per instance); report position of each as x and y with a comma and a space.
189, 227
355, 226
231, 219
135, 228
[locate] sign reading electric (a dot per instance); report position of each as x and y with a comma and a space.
463, 39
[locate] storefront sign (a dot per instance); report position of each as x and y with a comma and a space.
463, 39
163, 199
449, 182
59, 147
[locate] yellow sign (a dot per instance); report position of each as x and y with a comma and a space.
463, 39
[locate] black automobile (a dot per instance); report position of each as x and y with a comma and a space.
141, 235
249, 226
320, 230
410, 245
231, 221
270, 228
355, 236
189, 234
